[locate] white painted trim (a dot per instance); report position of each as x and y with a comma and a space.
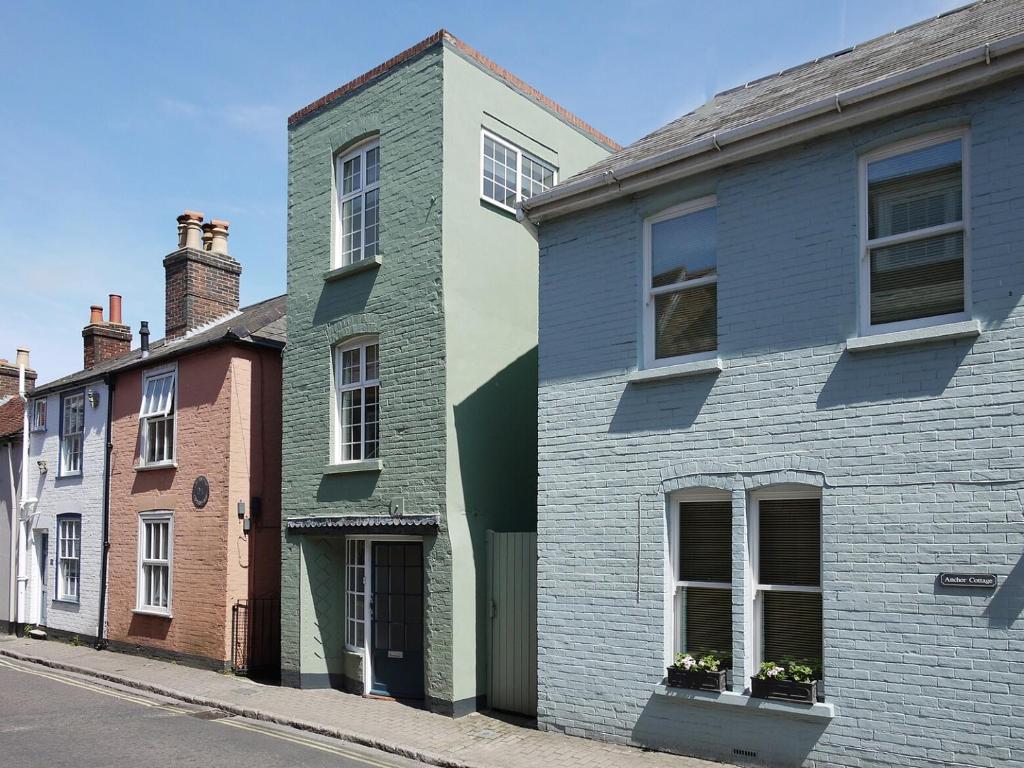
339, 198
679, 370
819, 710
147, 374
151, 516
930, 333
648, 360
354, 268
866, 245
519, 152
365, 465
360, 343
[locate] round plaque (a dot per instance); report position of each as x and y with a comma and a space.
200, 492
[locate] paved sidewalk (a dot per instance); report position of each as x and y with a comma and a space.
475, 741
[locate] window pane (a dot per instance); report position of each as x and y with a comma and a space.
370, 215
372, 416
372, 351
350, 366
792, 627
536, 177
915, 190
499, 172
350, 175
372, 165
705, 541
352, 228
790, 542
923, 278
683, 248
686, 321
709, 622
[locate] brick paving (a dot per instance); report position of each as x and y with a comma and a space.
475, 741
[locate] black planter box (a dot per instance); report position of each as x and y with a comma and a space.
787, 690
697, 679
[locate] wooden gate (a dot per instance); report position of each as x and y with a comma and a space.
512, 593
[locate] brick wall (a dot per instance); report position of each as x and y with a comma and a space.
401, 302
105, 342
919, 449
199, 287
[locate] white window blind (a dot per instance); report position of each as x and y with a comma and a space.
915, 248
681, 304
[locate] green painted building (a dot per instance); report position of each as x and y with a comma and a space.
410, 376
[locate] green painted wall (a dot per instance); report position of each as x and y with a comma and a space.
457, 320
400, 301
490, 312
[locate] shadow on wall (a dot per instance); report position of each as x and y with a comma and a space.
496, 431
658, 406
896, 374
344, 297
150, 627
354, 486
1008, 602
729, 736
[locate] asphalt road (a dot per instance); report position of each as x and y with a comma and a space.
53, 719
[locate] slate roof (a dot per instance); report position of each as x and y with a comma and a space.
928, 41
12, 411
263, 323
441, 37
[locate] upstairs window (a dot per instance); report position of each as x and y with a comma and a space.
39, 415
358, 182
69, 553
157, 417
357, 400
681, 274
509, 174
72, 430
702, 556
914, 266
156, 546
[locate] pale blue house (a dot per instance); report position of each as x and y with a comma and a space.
781, 414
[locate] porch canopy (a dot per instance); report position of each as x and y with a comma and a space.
352, 524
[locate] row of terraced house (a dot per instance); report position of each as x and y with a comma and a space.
711, 444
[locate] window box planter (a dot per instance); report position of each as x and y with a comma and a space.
786, 690
697, 679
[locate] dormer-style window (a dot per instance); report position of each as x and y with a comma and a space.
509, 174
914, 220
358, 183
156, 417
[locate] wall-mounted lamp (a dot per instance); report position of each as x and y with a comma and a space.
241, 510
42, 466
94, 397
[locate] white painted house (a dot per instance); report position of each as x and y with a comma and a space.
64, 530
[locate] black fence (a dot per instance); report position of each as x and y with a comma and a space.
256, 637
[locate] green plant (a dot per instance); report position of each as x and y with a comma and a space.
709, 662
771, 671
803, 671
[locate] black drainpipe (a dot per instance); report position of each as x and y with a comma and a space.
101, 641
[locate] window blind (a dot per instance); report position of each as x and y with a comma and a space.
705, 541
790, 542
791, 623
709, 622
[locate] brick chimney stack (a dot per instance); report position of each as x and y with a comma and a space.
106, 340
201, 278
9, 379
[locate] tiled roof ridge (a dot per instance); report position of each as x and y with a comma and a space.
443, 35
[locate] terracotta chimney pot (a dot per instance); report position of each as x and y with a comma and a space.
207, 235
95, 315
190, 230
115, 309
219, 230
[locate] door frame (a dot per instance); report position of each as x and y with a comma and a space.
366, 650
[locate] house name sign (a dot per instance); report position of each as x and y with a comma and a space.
977, 580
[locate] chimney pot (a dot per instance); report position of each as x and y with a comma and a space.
190, 230
207, 235
10, 375
115, 309
219, 230
22, 358
95, 315
144, 336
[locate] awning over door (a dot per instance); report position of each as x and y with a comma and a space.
350, 524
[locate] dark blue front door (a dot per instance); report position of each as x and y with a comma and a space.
396, 638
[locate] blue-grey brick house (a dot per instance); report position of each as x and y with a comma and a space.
780, 394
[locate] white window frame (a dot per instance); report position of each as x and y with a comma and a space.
649, 293
754, 651
157, 516
65, 558
171, 414
39, 409
351, 622
338, 258
337, 417
520, 153
673, 584
65, 436
866, 245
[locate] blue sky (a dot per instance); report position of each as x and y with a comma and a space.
117, 116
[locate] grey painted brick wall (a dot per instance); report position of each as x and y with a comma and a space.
919, 450
401, 301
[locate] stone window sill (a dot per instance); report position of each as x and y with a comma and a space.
159, 465
368, 465
964, 330
147, 612
355, 268
694, 368
817, 711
